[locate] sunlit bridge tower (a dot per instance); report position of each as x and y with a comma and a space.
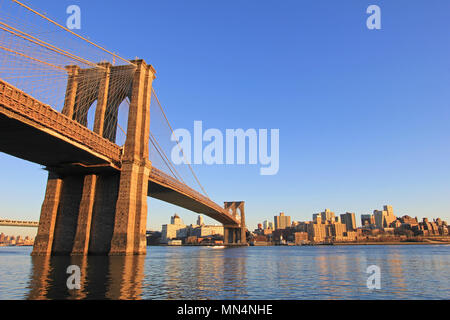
60, 100
235, 234
94, 210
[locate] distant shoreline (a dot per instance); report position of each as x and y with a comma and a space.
11, 246
387, 243
390, 243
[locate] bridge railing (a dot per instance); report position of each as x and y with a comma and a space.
23, 104
172, 182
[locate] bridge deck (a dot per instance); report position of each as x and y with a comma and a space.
33, 131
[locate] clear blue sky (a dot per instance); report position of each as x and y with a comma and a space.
363, 114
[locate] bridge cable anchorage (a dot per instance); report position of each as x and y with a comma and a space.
178, 144
73, 33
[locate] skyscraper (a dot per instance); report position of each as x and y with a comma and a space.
327, 215
367, 219
267, 225
349, 220
384, 218
176, 220
282, 221
200, 220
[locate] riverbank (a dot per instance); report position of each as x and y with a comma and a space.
394, 243
387, 243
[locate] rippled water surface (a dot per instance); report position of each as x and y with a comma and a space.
325, 272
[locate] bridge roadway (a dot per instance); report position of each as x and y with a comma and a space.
33, 131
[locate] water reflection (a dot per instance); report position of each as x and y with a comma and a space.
407, 272
195, 273
101, 278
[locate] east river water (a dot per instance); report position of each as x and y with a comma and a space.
321, 272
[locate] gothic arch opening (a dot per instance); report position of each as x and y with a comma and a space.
122, 122
91, 116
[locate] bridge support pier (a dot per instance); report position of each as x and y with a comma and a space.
44, 239
102, 213
131, 209
82, 236
235, 235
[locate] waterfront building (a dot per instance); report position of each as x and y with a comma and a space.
206, 231
267, 225
200, 221
301, 238
175, 243
383, 218
367, 220
176, 229
349, 220
282, 221
317, 232
317, 218
335, 231
327, 215
302, 226
176, 220
153, 238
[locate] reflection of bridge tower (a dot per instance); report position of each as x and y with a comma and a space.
235, 234
95, 210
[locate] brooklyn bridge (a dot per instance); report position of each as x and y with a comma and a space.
94, 121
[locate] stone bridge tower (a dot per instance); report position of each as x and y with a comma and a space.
92, 210
235, 234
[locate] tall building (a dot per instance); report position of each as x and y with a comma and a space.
200, 220
267, 225
316, 232
205, 231
175, 219
367, 219
317, 218
384, 218
176, 229
336, 231
327, 216
349, 220
282, 221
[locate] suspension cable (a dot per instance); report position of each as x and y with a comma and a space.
31, 58
178, 143
46, 45
71, 32
165, 156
